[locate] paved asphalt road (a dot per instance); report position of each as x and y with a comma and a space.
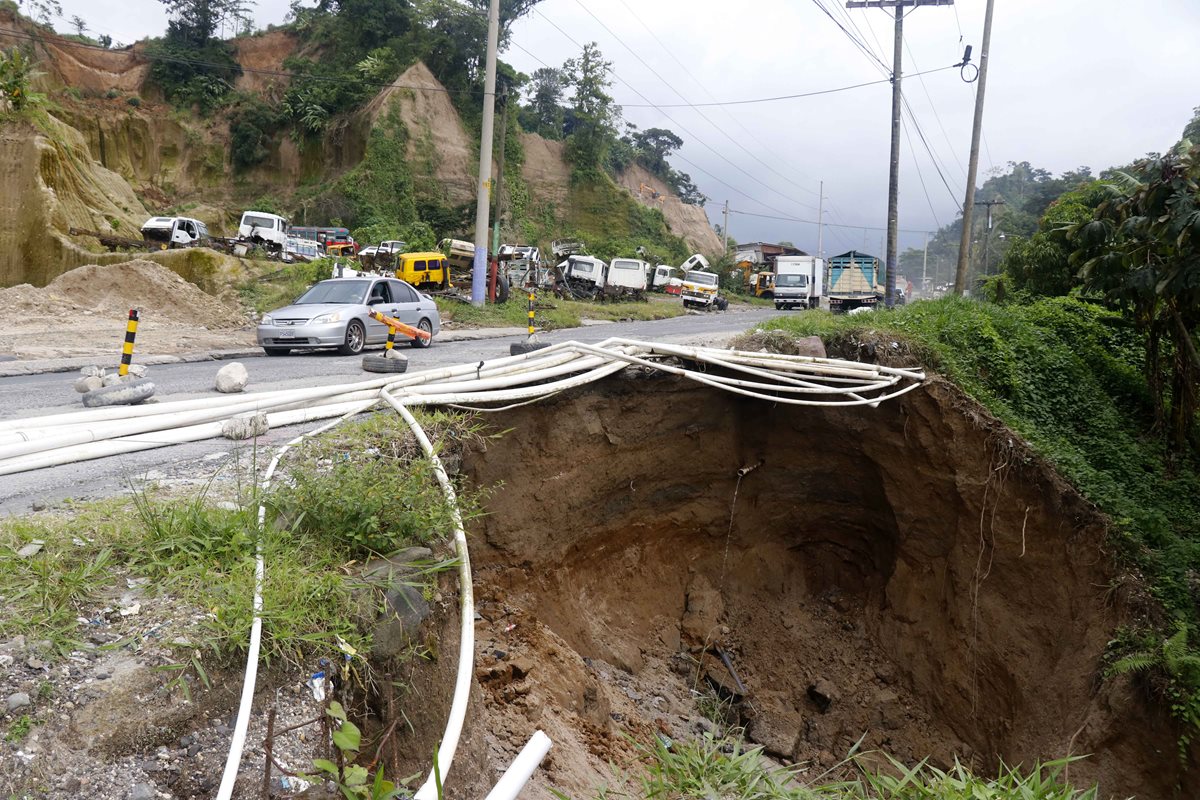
35, 395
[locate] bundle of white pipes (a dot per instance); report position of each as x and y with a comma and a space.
797, 380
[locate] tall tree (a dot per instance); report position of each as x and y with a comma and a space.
545, 102
595, 112
1142, 249
654, 145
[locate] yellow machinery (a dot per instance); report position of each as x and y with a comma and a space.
423, 269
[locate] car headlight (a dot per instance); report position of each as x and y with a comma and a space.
266, 320
332, 316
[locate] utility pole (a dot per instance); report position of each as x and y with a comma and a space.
725, 230
893, 220
964, 246
821, 222
500, 174
479, 265
925, 263
987, 235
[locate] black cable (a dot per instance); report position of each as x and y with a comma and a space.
780, 97
674, 122
929, 150
857, 43
826, 224
921, 177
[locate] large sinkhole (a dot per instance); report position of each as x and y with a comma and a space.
906, 574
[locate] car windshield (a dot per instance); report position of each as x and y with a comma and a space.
340, 291
791, 280
702, 278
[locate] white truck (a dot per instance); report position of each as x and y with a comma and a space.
799, 281
264, 229
627, 276
701, 290
175, 232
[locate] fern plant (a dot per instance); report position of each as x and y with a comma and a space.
1174, 661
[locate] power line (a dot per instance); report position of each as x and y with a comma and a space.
857, 42
827, 224
682, 128
936, 165
780, 97
933, 106
703, 115
912, 152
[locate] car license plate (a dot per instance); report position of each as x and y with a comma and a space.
287, 334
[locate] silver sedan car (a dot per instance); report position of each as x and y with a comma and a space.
335, 313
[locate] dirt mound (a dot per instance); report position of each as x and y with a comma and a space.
546, 170
93, 302
688, 221
439, 149
902, 572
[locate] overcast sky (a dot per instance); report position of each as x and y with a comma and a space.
1072, 82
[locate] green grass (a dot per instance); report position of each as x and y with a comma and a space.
725, 769
564, 314
361, 490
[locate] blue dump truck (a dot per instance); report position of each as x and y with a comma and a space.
855, 281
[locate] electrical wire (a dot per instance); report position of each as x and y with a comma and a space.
933, 106
826, 224
862, 46
676, 122
695, 138
924, 141
731, 117
913, 153
779, 97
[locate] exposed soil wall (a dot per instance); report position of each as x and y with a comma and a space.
688, 221
951, 593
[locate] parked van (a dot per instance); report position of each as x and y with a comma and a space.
423, 269
175, 232
269, 230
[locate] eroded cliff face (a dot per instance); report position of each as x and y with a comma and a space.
94, 160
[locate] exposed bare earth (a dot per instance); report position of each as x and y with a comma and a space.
84, 312
689, 221
913, 563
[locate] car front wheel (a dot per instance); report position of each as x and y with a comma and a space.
418, 342
356, 338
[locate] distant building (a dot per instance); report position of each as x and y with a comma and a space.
763, 254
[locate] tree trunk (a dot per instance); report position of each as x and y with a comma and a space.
1153, 368
1185, 375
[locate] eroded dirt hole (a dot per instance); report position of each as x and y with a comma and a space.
906, 574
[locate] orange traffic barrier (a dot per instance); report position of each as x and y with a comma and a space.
407, 330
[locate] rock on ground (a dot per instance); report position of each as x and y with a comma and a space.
232, 378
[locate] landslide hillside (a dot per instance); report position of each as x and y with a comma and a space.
103, 148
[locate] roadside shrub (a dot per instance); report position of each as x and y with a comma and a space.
252, 128
134, 101
364, 489
16, 72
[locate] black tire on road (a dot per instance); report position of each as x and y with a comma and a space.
377, 363
356, 339
277, 351
126, 393
521, 348
420, 343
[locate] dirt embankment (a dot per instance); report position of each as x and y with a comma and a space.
687, 221
84, 312
904, 572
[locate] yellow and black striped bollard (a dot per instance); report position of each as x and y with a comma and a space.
391, 342
127, 348
531, 311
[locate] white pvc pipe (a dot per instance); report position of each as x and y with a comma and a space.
466, 642
521, 769
238, 741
